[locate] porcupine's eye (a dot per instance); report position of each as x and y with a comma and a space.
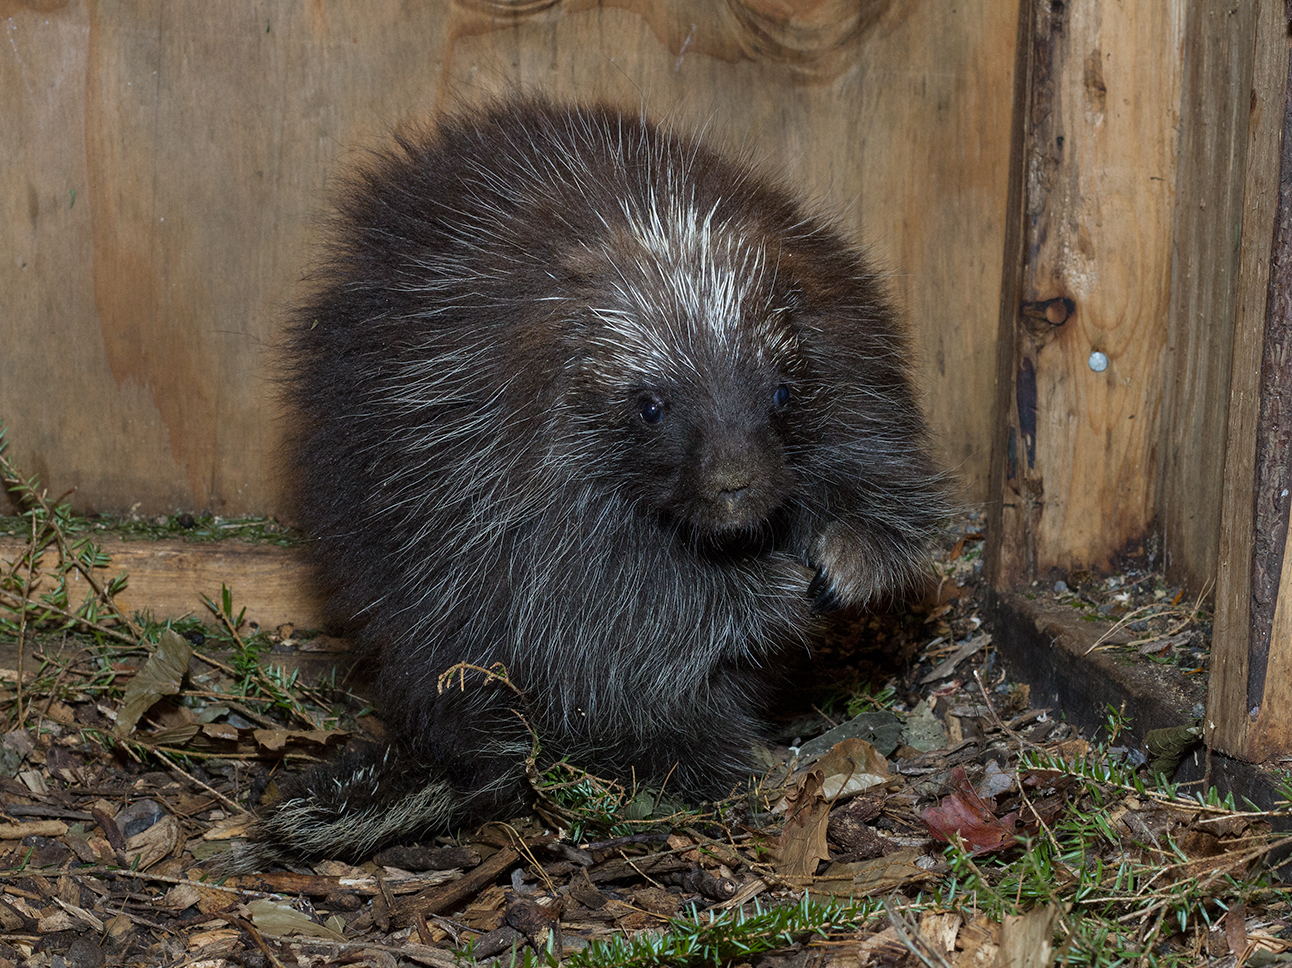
781, 396
651, 409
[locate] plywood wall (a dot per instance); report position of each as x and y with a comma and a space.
164, 162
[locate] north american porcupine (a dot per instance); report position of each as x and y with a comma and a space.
578, 396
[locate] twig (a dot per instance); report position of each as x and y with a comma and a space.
1129, 616
252, 930
20, 605
265, 683
910, 936
22, 624
192, 779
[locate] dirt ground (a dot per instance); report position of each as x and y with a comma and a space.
110, 849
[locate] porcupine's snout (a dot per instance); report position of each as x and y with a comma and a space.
740, 476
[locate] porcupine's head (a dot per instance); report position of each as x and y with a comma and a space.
689, 353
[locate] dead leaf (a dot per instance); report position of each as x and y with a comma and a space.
220, 731
802, 842
158, 841
1027, 940
277, 739
80, 914
948, 665
1236, 928
207, 900
280, 919
160, 676
964, 813
174, 735
979, 943
867, 878
214, 944
940, 930
852, 766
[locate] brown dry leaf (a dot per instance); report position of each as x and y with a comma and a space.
869, 877
940, 930
279, 918
883, 948
964, 813
1072, 750
207, 900
802, 842
1236, 928
1027, 940
214, 944
278, 739
160, 676
220, 731
148, 847
56, 921
175, 735
230, 827
979, 944
179, 897
656, 900
60, 712
488, 911
851, 766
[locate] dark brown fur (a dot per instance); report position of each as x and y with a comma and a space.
580, 397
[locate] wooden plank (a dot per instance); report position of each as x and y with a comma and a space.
1004, 438
1269, 642
1085, 378
1271, 733
1231, 704
154, 232
1219, 45
1048, 647
169, 578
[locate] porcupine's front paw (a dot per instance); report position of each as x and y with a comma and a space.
853, 566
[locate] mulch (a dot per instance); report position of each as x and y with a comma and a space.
107, 852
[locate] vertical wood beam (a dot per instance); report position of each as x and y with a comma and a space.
1219, 47
1084, 333
1249, 702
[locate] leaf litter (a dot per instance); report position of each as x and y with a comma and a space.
915, 810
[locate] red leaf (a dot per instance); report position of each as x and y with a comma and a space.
965, 813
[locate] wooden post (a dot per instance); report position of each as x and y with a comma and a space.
1083, 325
1219, 47
1249, 704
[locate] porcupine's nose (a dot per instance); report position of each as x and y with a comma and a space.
734, 499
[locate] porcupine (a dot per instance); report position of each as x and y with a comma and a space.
578, 396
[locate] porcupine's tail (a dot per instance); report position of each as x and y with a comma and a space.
377, 795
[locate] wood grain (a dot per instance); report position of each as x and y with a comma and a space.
1100, 167
1220, 43
166, 162
169, 578
1229, 713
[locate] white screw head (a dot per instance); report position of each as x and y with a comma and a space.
1098, 362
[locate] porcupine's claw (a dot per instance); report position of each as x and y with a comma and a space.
821, 590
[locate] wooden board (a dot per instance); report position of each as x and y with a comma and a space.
169, 578
1078, 459
164, 163
1219, 46
1249, 704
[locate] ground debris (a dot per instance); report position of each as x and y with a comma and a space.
902, 737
